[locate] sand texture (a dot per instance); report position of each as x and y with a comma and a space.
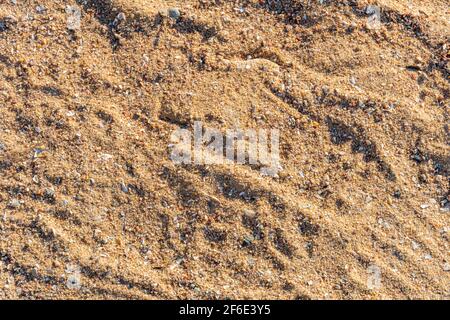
92, 207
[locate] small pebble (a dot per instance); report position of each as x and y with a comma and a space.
74, 282
73, 18
124, 187
371, 9
14, 204
427, 256
174, 13
249, 213
447, 267
119, 18
105, 157
38, 152
40, 9
247, 241
383, 223
49, 192
34, 273
2, 147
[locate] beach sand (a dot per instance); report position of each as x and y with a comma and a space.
93, 207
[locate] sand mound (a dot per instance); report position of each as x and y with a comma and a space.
91, 205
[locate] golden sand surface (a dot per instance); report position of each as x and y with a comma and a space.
92, 206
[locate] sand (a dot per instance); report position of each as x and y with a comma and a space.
92, 206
